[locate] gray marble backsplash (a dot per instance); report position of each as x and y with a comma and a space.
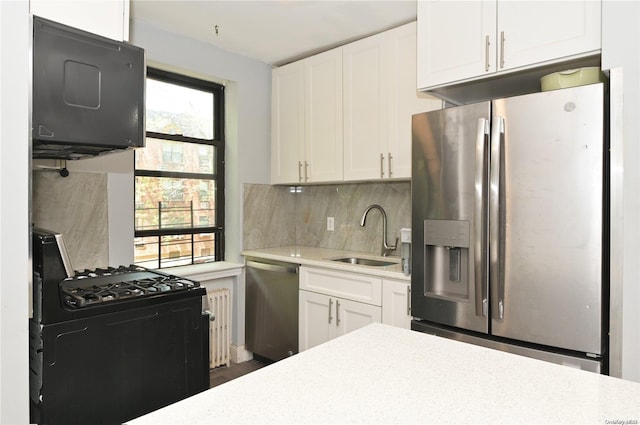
274, 216
75, 206
282, 216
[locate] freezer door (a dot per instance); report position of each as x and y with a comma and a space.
546, 218
449, 242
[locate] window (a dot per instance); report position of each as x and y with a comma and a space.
179, 174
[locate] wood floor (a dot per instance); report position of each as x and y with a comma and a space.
223, 374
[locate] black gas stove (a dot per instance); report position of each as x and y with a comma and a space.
110, 344
61, 294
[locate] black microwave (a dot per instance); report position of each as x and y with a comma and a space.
88, 93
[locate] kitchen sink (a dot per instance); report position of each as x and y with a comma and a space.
365, 261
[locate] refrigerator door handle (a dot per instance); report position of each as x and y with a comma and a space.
480, 217
496, 242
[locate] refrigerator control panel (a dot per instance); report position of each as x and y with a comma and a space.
450, 233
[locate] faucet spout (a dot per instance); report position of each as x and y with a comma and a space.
386, 248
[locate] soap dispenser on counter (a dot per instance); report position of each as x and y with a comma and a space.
405, 250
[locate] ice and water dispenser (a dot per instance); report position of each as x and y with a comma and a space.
446, 254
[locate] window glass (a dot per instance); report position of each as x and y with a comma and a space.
164, 203
175, 109
168, 155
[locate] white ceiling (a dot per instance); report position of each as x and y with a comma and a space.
274, 31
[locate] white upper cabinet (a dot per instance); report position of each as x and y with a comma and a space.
379, 98
456, 41
108, 18
287, 123
569, 28
345, 114
404, 100
323, 117
306, 114
366, 79
460, 41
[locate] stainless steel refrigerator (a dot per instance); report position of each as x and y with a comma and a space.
509, 212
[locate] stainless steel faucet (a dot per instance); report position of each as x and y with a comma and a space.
386, 249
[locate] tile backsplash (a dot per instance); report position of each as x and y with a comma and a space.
75, 206
282, 215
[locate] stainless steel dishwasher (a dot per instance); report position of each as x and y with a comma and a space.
271, 308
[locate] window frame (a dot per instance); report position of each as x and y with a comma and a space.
218, 142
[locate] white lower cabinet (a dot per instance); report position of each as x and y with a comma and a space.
315, 313
396, 303
323, 318
333, 303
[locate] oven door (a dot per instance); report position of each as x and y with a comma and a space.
111, 368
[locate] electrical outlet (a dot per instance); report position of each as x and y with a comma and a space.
330, 224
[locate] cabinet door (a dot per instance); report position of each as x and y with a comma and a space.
287, 123
396, 303
108, 18
539, 31
456, 40
351, 315
404, 100
365, 108
316, 322
323, 117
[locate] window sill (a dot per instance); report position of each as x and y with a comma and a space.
207, 271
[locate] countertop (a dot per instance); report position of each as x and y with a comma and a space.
383, 374
321, 257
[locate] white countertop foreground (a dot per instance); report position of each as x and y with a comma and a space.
382, 374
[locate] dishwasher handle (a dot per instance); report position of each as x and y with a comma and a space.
293, 268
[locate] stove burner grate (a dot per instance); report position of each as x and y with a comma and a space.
100, 286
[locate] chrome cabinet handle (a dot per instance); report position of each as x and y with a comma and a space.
381, 166
337, 313
487, 43
501, 309
306, 171
409, 300
390, 173
330, 305
299, 171
502, 49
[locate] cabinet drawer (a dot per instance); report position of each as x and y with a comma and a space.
352, 286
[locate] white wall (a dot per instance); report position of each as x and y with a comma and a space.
621, 49
14, 211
